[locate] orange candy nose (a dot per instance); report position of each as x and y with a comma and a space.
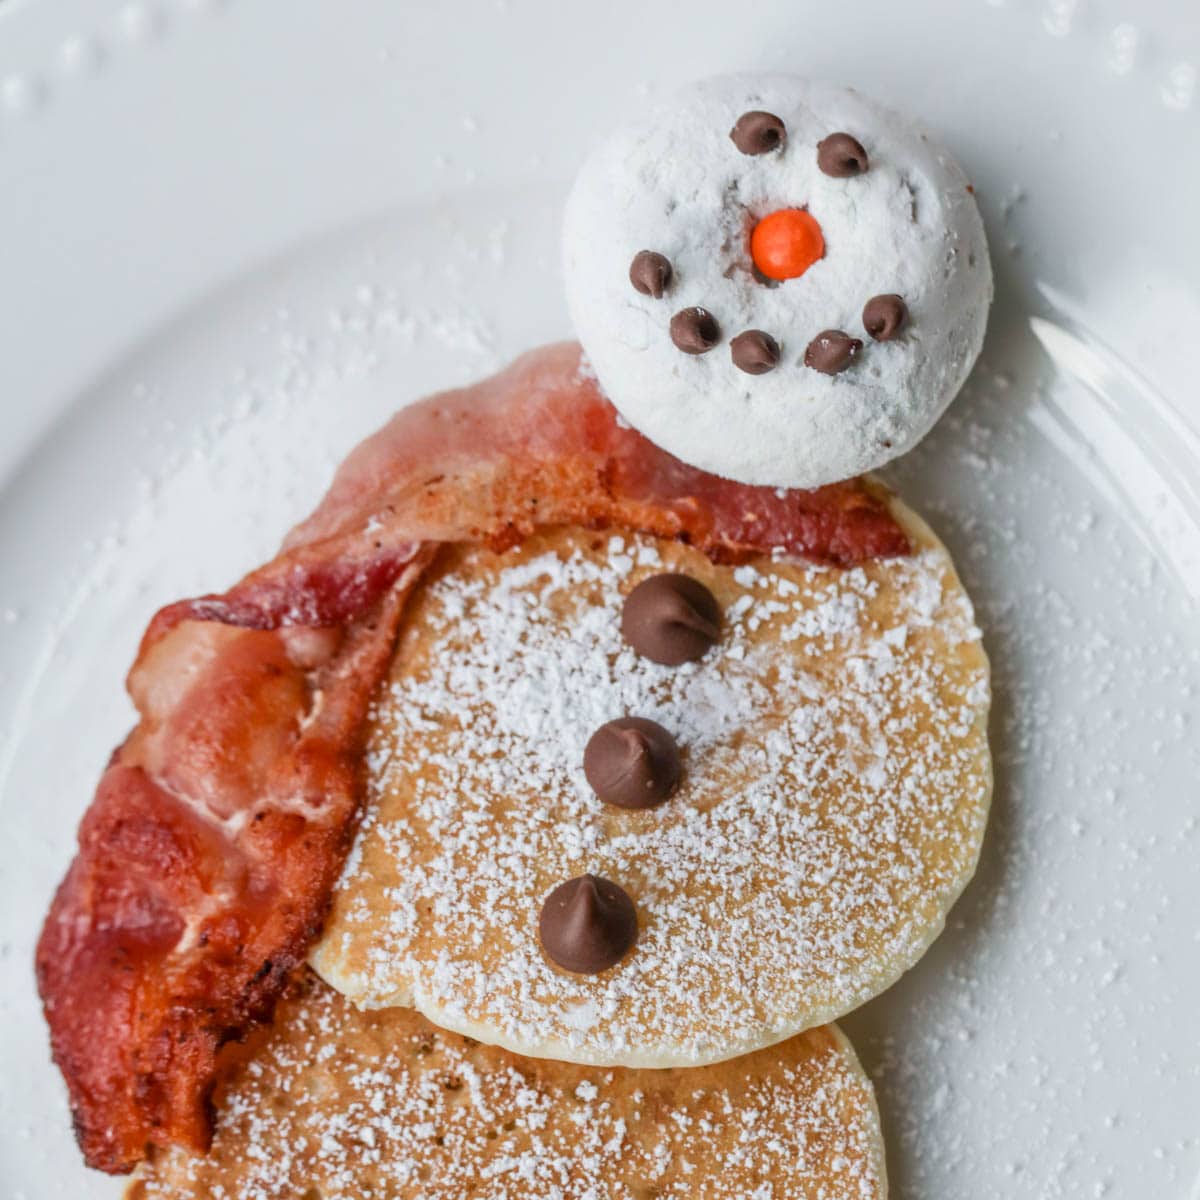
786, 243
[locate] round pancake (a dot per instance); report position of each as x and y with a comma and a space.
835, 792
336, 1103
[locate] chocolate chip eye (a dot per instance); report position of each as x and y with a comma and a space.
758, 133
695, 330
841, 156
831, 351
650, 273
754, 352
885, 316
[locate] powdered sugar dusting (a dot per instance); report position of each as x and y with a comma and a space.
836, 783
338, 1105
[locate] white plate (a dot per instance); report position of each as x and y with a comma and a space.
234, 235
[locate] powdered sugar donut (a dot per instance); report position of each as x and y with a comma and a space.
776, 280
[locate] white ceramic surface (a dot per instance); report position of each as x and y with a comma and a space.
235, 233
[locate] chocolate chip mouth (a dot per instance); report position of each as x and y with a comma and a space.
695, 330
754, 351
831, 351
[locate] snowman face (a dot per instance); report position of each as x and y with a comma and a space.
777, 281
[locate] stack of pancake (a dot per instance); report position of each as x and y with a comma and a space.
831, 795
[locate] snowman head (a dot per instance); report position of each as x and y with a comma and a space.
777, 281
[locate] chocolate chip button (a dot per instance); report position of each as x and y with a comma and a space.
831, 351
841, 156
694, 330
671, 619
587, 924
754, 352
650, 273
885, 316
758, 133
632, 762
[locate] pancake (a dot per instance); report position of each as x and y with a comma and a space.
333, 1103
834, 797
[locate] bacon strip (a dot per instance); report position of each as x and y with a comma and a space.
207, 858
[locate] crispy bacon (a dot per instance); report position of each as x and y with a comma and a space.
207, 858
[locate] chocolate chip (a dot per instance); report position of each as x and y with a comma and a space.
758, 133
632, 763
694, 330
884, 316
671, 619
831, 351
841, 155
754, 351
587, 924
650, 273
